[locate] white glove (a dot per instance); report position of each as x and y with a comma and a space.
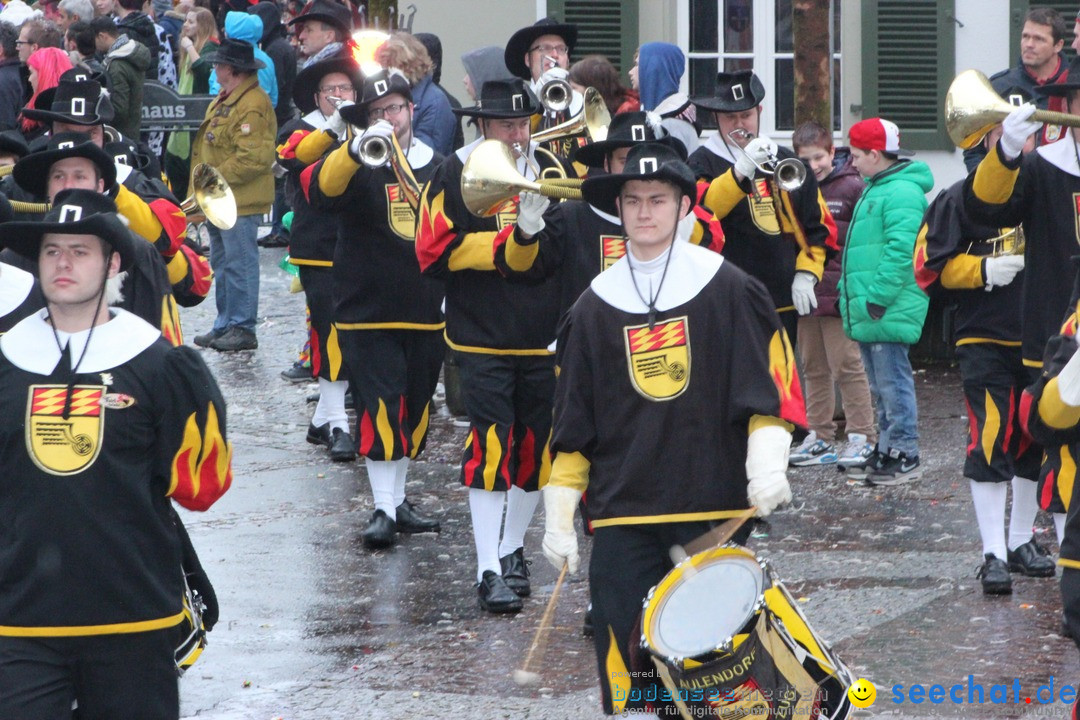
759, 150
802, 292
531, 208
1002, 270
560, 538
766, 468
555, 73
381, 128
336, 124
1069, 381
1016, 128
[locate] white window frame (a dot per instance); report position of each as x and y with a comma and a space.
764, 57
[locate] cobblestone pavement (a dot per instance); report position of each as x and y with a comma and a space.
313, 626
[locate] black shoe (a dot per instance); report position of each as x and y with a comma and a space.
205, 339
1031, 559
495, 596
1066, 631
273, 240
380, 532
342, 446
319, 435
515, 572
586, 627
896, 469
994, 574
235, 338
297, 373
410, 521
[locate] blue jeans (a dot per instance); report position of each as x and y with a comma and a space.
234, 257
893, 389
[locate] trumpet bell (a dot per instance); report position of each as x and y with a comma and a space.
212, 196
592, 121
790, 174
556, 95
375, 151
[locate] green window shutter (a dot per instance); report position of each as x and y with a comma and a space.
605, 27
908, 62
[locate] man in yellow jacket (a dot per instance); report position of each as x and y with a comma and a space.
237, 138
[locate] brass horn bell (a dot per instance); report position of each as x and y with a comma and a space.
490, 178
973, 108
212, 196
592, 121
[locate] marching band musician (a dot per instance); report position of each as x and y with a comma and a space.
318, 91
539, 54
779, 236
562, 243
956, 253
640, 351
387, 315
117, 424
74, 160
501, 332
78, 104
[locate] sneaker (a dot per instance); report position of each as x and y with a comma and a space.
812, 452
205, 339
856, 451
298, 373
235, 338
896, 469
1031, 559
995, 577
858, 472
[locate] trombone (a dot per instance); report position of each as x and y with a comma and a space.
973, 108
490, 178
790, 173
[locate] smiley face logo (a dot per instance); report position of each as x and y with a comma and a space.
862, 694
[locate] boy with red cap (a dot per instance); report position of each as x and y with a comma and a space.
882, 306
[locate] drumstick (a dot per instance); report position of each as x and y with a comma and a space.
713, 538
526, 675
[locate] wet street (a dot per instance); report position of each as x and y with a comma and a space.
314, 626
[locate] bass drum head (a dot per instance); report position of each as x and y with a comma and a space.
710, 600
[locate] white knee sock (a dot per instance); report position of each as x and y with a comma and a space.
331, 407
381, 476
1025, 504
401, 467
1059, 526
486, 509
989, 499
520, 507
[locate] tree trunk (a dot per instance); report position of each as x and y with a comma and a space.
813, 61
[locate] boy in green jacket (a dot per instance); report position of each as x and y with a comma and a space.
881, 304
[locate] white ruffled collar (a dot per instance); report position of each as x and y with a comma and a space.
15, 286
690, 269
1062, 154
718, 147
31, 345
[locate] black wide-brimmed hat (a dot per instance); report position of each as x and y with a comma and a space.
735, 92
237, 53
310, 78
647, 161
77, 100
626, 130
125, 152
326, 11
74, 212
13, 142
521, 41
377, 86
503, 99
1072, 82
32, 172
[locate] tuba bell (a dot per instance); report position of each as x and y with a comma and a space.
211, 196
973, 108
490, 178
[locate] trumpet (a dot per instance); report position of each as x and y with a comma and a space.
790, 173
592, 121
490, 178
374, 151
556, 95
